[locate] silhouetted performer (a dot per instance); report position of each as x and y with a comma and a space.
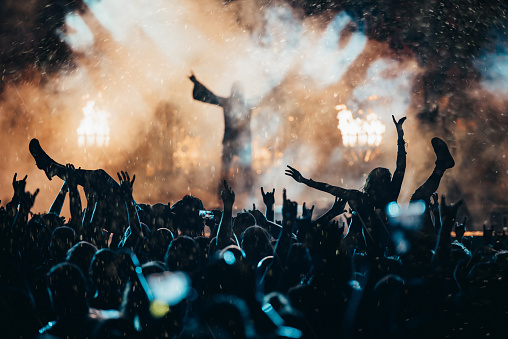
237, 149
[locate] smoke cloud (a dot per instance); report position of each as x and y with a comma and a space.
133, 62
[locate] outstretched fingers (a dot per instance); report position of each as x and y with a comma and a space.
291, 171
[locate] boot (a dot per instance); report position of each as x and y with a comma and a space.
444, 158
42, 159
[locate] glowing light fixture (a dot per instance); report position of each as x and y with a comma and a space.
94, 128
358, 131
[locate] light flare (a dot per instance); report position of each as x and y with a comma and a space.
188, 152
94, 128
264, 157
358, 131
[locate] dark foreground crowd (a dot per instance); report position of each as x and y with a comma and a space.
120, 269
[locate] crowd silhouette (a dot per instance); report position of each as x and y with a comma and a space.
122, 269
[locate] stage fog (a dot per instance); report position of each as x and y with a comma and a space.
325, 86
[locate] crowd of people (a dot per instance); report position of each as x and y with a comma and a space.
122, 269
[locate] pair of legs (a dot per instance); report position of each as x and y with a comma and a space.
105, 204
95, 180
444, 161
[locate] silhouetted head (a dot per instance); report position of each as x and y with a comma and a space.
222, 316
183, 255
259, 216
256, 244
151, 267
232, 254
81, 255
104, 269
156, 244
377, 184
19, 317
67, 290
187, 218
51, 220
62, 239
212, 246
35, 245
160, 216
298, 264
242, 221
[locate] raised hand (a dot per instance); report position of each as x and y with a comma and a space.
487, 234
259, 216
460, 230
340, 227
268, 197
338, 206
28, 198
289, 208
398, 125
434, 207
293, 173
307, 213
18, 185
126, 183
227, 195
449, 213
70, 176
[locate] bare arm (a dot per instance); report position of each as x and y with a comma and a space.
398, 175
281, 250
25, 200
442, 251
133, 236
57, 205
225, 230
339, 192
76, 221
269, 200
336, 209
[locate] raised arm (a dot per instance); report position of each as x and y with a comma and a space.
442, 251
225, 232
23, 200
76, 221
281, 250
56, 207
398, 175
133, 235
201, 93
321, 186
269, 200
336, 209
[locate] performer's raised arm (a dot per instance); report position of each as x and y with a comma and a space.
339, 192
398, 175
201, 93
